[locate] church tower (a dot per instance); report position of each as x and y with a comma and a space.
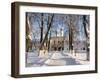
62, 32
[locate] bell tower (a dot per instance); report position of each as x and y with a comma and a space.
62, 32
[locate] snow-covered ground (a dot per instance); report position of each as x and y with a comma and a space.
55, 58
58, 58
80, 57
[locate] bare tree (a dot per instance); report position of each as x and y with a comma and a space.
46, 35
48, 39
40, 20
71, 22
86, 31
27, 33
42, 26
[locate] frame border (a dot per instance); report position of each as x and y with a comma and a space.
15, 38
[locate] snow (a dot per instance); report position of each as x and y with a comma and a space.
58, 58
55, 62
80, 57
55, 58
43, 54
57, 55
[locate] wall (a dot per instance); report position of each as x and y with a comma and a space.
5, 40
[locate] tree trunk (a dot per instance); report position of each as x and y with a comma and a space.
41, 28
49, 41
85, 24
27, 34
70, 36
46, 35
